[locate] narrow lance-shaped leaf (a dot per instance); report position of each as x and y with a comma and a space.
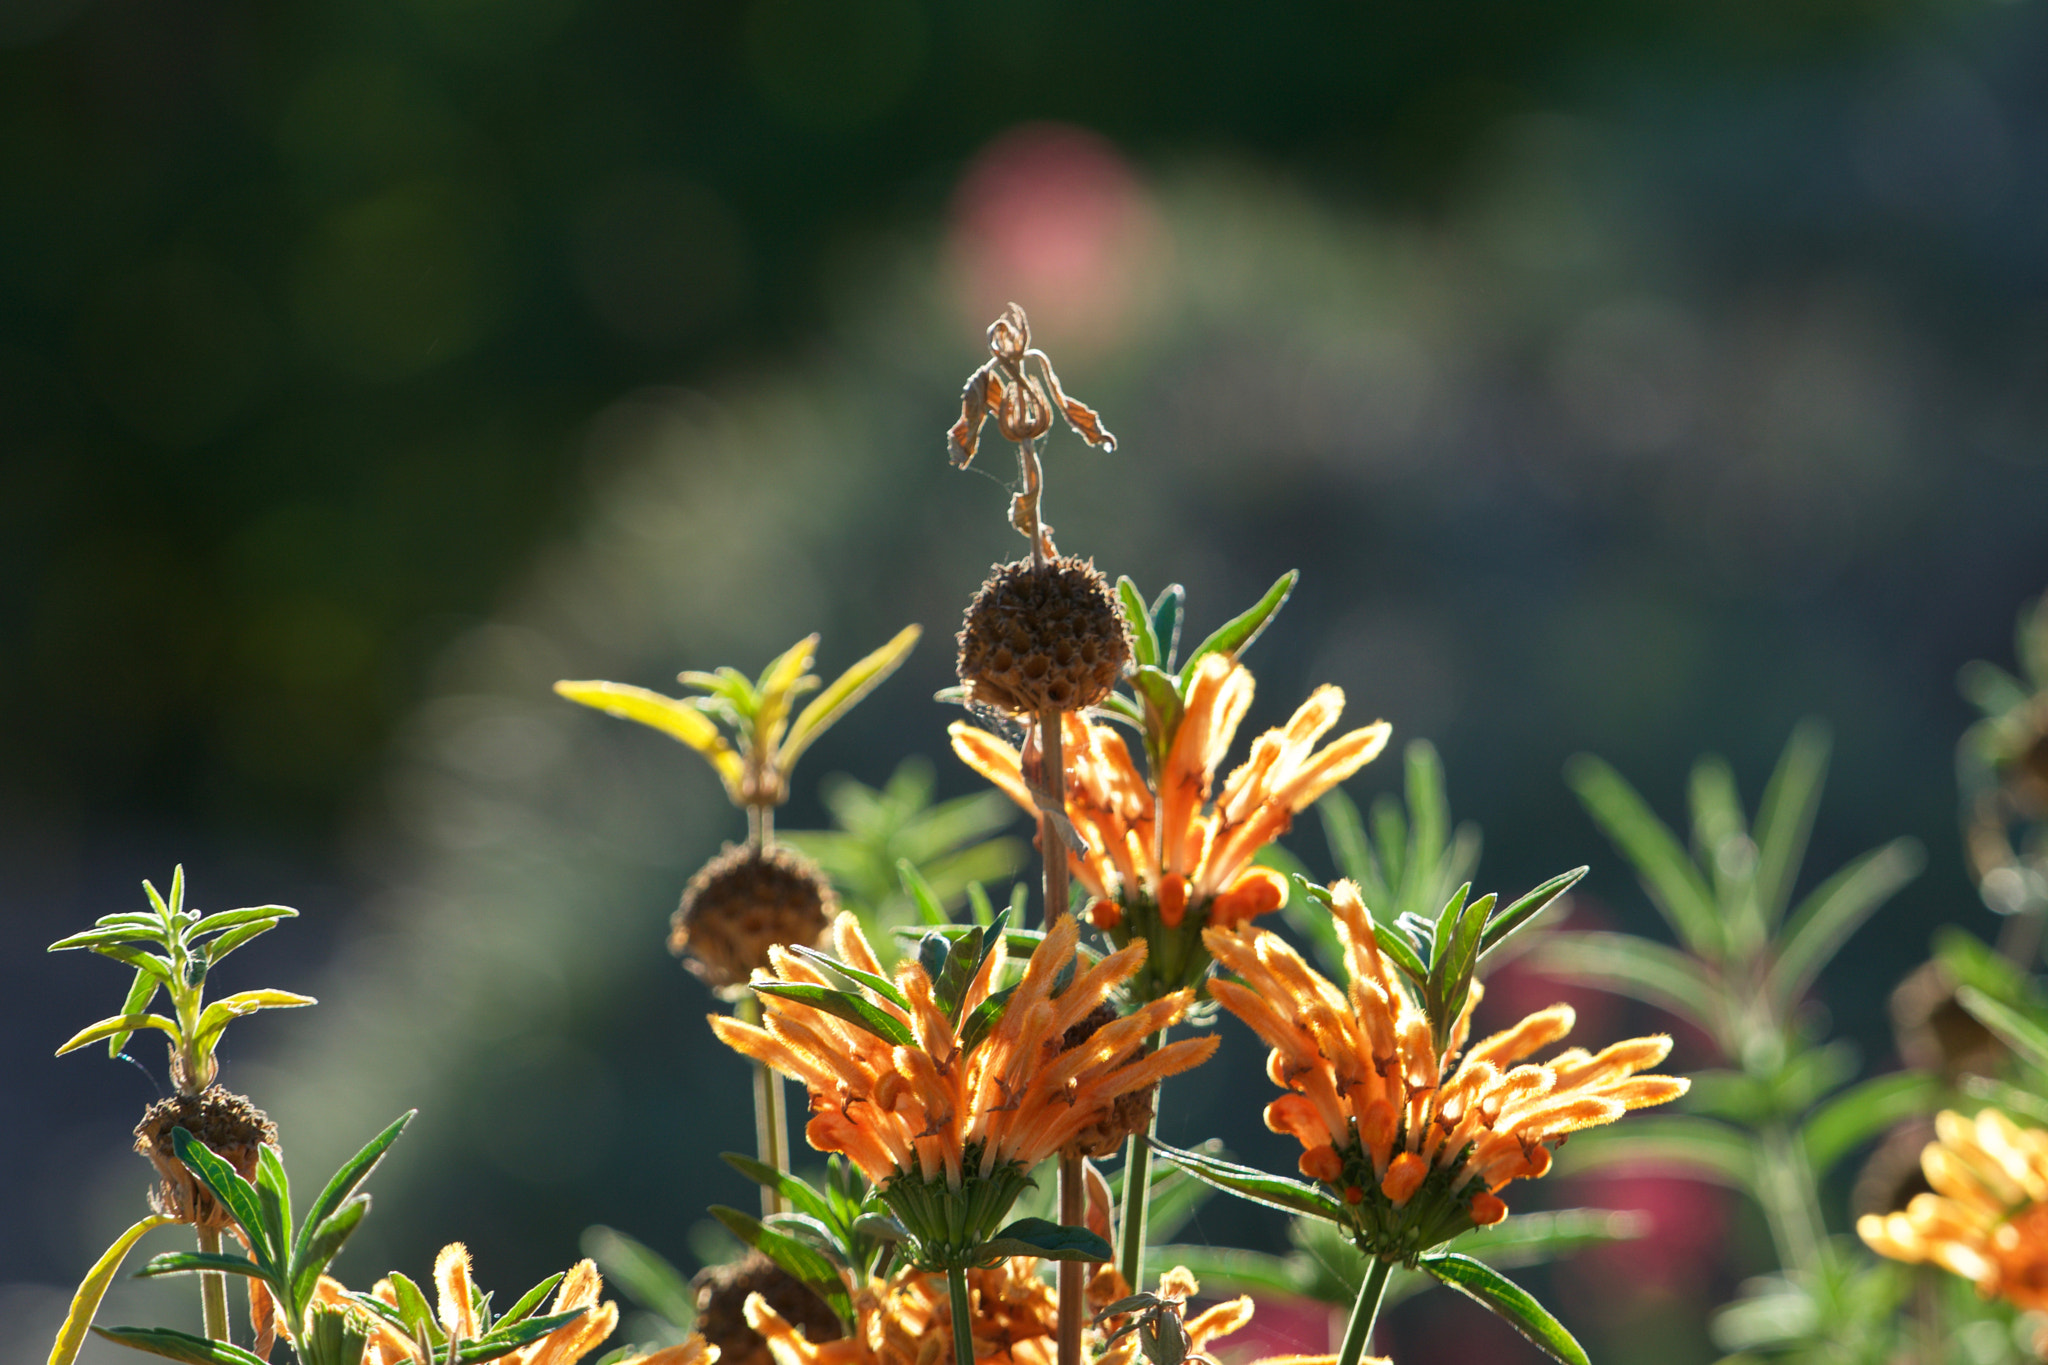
846, 690
235, 919
1651, 972
803, 1262
1701, 1147
1255, 1185
644, 1273
1785, 818
1526, 909
523, 1307
1510, 1301
1237, 634
857, 1010
2023, 1035
1144, 640
1345, 834
1826, 918
236, 1195
1047, 1240
800, 1195
1863, 1111
172, 1345
352, 1173
929, 908
218, 1015
93, 1288
677, 719
118, 1026
1167, 610
1674, 883
312, 1256
880, 985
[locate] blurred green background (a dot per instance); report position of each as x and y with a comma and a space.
1625, 378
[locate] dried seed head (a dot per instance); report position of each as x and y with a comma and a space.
744, 901
1043, 638
722, 1292
1127, 1114
226, 1123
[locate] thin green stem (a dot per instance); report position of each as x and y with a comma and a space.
771, 1135
1136, 1213
1365, 1312
213, 1290
963, 1327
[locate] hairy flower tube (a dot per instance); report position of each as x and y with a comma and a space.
1987, 1219
457, 1316
1415, 1142
1166, 860
948, 1112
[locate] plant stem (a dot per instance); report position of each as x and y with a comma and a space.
771, 1137
1073, 1275
1052, 781
761, 827
963, 1330
213, 1290
1365, 1312
1025, 513
1786, 1193
1137, 1207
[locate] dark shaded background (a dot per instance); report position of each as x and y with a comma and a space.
1629, 379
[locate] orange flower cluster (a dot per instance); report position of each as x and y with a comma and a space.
1382, 1116
1006, 1100
907, 1319
1987, 1219
1175, 848
566, 1345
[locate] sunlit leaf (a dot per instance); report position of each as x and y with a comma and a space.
1258, 1186
1673, 882
855, 1009
846, 690
1144, 640
93, 1288
1863, 1111
162, 1341
1826, 918
1046, 1240
1513, 1303
1648, 971
677, 719
1237, 634
222, 1012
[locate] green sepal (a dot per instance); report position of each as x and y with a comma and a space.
880, 1227
1258, 1186
1046, 1240
162, 1341
1488, 1286
1235, 635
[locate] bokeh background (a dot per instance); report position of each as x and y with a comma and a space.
1632, 379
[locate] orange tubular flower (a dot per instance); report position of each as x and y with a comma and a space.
1173, 856
1987, 1219
1384, 1120
954, 1109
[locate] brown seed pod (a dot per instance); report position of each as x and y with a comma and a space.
1127, 1114
1047, 638
742, 902
722, 1292
226, 1123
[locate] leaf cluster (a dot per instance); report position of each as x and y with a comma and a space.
742, 725
171, 950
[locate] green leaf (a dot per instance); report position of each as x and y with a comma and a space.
162, 1341
352, 1173
1223, 1270
521, 1310
919, 890
800, 1195
805, 1263
646, 1276
2023, 1035
312, 1256
227, 1009
1256, 1185
273, 1188
236, 1195
1527, 908
880, 985
1144, 639
1477, 1280
141, 991
1046, 1240
1533, 1238
983, 1018
120, 1025
1237, 634
1168, 610
1785, 819
1673, 882
138, 959
677, 719
1834, 911
1702, 1148
1648, 971
235, 938
493, 1344
191, 1262
93, 1288
1862, 1112
1345, 834
845, 692
235, 919
99, 937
